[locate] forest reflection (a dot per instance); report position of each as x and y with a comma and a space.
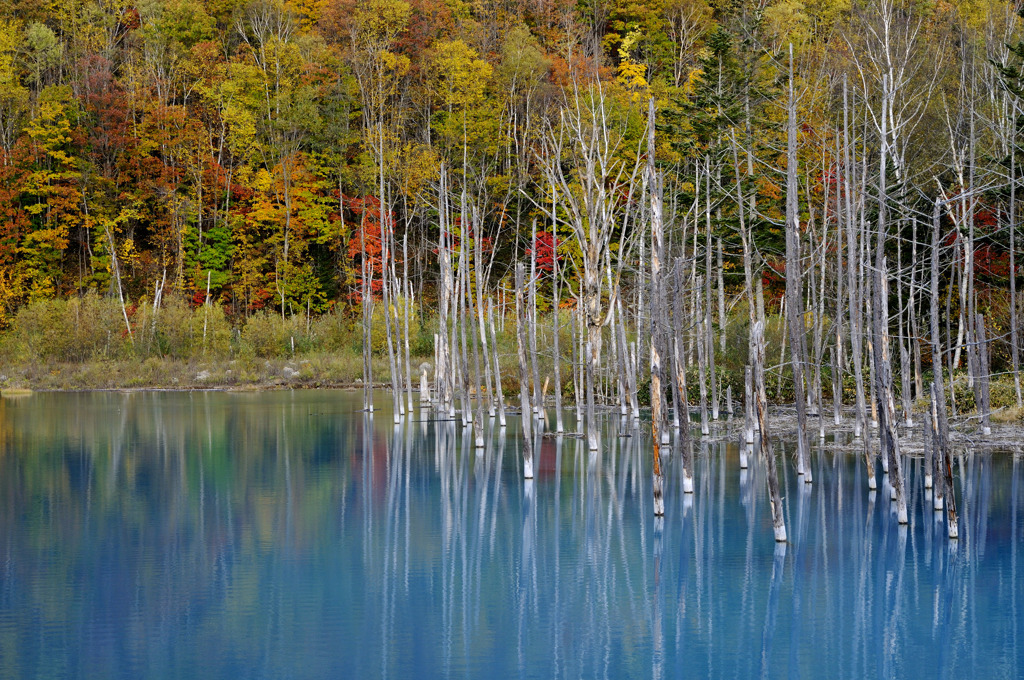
287, 534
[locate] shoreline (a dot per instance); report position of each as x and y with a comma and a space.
326, 371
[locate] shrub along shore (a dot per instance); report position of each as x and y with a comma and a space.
84, 343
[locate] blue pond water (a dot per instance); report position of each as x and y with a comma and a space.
286, 535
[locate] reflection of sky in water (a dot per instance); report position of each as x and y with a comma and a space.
285, 535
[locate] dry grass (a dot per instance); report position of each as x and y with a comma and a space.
1008, 415
313, 370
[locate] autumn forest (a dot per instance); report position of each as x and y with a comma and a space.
659, 168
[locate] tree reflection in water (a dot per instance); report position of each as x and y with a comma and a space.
285, 534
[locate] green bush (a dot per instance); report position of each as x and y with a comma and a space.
1002, 392
181, 332
335, 333
268, 335
378, 335
76, 329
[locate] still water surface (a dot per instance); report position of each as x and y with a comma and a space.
287, 535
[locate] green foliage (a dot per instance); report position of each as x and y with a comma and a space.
74, 329
183, 332
378, 336
266, 334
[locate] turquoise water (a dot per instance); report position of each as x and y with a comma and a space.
287, 535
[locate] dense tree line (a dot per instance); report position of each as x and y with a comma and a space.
242, 150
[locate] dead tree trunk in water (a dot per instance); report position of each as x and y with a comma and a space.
929, 441
761, 406
937, 456
852, 258
556, 330
950, 497
657, 248
682, 405
482, 326
499, 395
367, 309
1014, 348
538, 399
443, 371
794, 289
709, 335
883, 368
748, 266
702, 361
524, 373
984, 407
939, 418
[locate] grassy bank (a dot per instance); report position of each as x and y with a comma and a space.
84, 343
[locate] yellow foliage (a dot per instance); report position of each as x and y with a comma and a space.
460, 76
380, 21
632, 76
263, 181
787, 22
127, 253
10, 31
419, 167
309, 11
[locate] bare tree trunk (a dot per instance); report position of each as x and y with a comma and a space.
538, 404
578, 365
915, 330
837, 358
623, 348
443, 370
938, 390
618, 352
748, 272
819, 331
929, 441
206, 308
949, 496
837, 388
702, 346
721, 301
983, 374
524, 372
478, 426
868, 283
461, 312
408, 316
593, 362
904, 351
556, 331
673, 359
657, 247
684, 430
366, 304
482, 326
883, 372
1014, 342
397, 406
499, 395
937, 457
852, 258
748, 406
682, 405
761, 402
709, 336
794, 289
